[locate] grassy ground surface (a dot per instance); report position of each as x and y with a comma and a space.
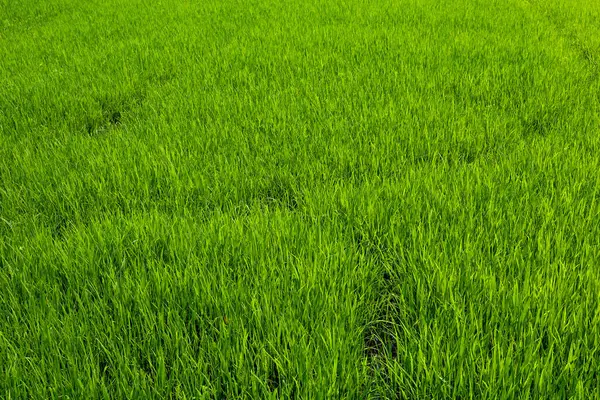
300, 199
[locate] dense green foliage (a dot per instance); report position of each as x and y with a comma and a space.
299, 199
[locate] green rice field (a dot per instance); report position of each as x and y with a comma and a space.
299, 199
